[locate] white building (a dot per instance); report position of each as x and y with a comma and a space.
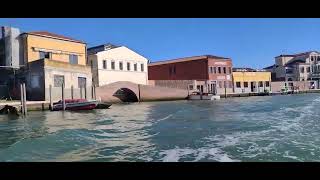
112, 63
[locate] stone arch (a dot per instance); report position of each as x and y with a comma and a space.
126, 95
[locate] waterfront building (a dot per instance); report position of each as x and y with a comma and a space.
297, 67
49, 59
207, 73
247, 80
111, 63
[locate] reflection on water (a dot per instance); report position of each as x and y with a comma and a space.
274, 128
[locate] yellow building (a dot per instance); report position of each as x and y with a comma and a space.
39, 45
52, 60
247, 80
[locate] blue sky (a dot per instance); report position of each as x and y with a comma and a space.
249, 42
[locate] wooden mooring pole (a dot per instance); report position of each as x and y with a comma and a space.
95, 95
50, 97
22, 99
92, 95
225, 89
80, 92
85, 92
188, 90
63, 100
93, 92
72, 92
139, 92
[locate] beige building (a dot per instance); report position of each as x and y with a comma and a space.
112, 63
296, 67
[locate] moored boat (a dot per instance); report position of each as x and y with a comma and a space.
75, 105
103, 106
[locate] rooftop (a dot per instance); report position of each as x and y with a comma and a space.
52, 35
247, 70
295, 55
103, 47
269, 67
192, 58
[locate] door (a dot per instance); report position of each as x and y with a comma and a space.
82, 84
252, 87
213, 88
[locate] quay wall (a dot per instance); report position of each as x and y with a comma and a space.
276, 86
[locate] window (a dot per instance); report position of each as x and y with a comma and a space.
112, 65
73, 59
128, 66
260, 84
224, 70
58, 80
238, 84
220, 84
211, 70
308, 69
267, 83
174, 69
230, 71
135, 67
245, 84
82, 82
219, 70
190, 87
142, 67
302, 69
104, 63
43, 55
120, 65
224, 84
215, 70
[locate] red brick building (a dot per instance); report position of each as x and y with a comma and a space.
207, 73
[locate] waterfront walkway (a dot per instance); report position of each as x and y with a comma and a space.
31, 105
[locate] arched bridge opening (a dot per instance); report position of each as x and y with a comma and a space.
126, 95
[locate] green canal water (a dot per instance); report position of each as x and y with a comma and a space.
271, 128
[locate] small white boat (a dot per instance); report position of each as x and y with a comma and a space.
204, 97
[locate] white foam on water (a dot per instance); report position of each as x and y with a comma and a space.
167, 117
216, 154
173, 155
286, 154
317, 99
286, 123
